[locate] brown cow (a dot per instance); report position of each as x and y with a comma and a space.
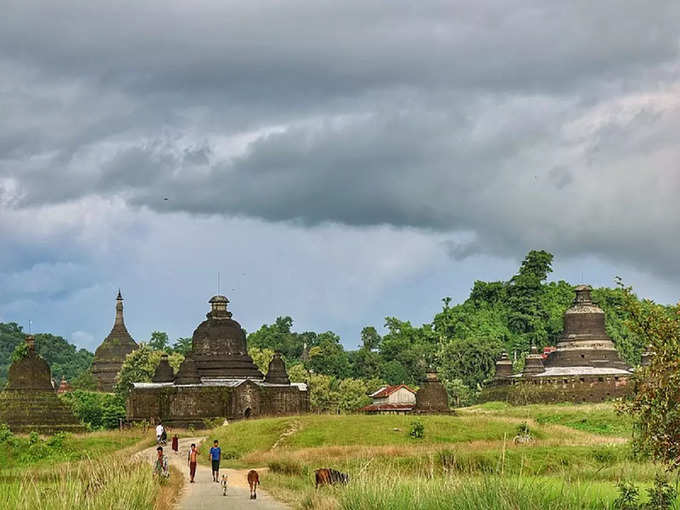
253, 482
328, 476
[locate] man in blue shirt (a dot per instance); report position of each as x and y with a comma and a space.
215, 456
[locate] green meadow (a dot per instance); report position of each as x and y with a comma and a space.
575, 458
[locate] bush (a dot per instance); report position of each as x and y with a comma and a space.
286, 467
661, 495
5, 432
98, 410
417, 430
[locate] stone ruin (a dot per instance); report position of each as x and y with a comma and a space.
584, 366
30, 402
110, 355
431, 397
217, 379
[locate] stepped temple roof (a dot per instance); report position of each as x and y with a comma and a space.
30, 401
219, 345
110, 355
164, 372
534, 363
217, 379
277, 371
585, 341
584, 366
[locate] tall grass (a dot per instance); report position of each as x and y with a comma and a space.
489, 493
113, 483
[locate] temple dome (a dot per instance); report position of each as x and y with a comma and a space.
585, 341
219, 345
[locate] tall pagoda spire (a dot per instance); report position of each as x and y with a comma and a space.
110, 355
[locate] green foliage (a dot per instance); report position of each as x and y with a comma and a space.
417, 430
20, 352
261, 358
85, 381
5, 432
140, 365
64, 358
654, 406
460, 395
96, 409
332, 395
662, 495
471, 360
159, 341
182, 345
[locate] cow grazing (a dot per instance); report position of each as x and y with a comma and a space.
328, 476
253, 482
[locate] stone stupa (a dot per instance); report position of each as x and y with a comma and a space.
431, 397
584, 366
217, 379
110, 355
30, 402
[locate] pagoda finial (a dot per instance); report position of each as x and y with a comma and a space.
119, 309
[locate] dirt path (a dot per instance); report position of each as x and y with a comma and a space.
205, 494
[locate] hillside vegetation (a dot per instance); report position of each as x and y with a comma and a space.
575, 458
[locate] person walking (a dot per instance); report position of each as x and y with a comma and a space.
175, 444
192, 458
160, 467
159, 432
215, 456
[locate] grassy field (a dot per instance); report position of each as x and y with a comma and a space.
468, 460
91, 471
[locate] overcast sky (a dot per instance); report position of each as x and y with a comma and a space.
335, 161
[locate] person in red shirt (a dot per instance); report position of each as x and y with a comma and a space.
192, 458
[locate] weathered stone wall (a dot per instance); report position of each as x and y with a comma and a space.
559, 389
40, 411
190, 405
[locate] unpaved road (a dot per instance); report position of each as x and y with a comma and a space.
205, 494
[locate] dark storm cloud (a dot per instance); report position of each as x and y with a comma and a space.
526, 124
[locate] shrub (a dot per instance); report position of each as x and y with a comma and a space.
213, 423
98, 410
417, 430
5, 432
286, 467
661, 494
628, 498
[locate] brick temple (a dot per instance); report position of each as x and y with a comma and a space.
110, 355
217, 379
583, 367
29, 402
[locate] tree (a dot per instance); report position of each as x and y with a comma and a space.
63, 358
655, 404
261, 358
353, 395
182, 345
159, 341
329, 357
298, 373
370, 339
527, 315
140, 365
470, 360
280, 337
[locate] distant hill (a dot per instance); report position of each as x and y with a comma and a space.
64, 358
